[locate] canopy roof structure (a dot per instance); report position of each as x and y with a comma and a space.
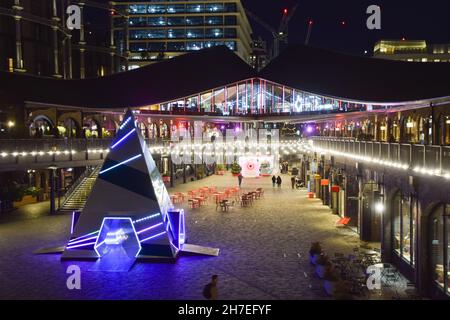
313, 70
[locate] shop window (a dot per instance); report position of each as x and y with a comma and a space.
404, 226
440, 252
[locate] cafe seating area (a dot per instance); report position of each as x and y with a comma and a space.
224, 200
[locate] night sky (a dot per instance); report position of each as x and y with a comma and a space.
428, 20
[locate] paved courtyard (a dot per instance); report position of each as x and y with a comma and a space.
263, 252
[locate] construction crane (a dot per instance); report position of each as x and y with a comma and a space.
308, 34
279, 35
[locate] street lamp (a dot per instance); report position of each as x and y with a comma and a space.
379, 207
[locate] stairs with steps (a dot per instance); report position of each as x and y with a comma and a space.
76, 198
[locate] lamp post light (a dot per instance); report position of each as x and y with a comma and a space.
52, 189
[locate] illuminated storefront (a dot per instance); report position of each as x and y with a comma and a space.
259, 96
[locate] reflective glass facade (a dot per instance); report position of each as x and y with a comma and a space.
183, 26
259, 96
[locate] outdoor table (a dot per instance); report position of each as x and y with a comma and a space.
219, 196
193, 203
200, 199
192, 193
180, 196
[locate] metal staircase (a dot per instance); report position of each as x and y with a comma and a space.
77, 195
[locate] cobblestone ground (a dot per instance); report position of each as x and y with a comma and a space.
263, 252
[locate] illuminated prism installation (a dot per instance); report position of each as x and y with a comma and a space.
119, 235
128, 201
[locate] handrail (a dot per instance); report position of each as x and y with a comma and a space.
87, 173
429, 158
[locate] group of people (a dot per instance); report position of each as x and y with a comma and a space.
276, 180
284, 167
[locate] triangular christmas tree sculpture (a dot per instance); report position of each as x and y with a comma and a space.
128, 205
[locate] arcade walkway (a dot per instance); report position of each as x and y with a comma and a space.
263, 252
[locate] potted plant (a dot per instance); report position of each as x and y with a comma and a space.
331, 281
235, 169
322, 265
220, 169
314, 252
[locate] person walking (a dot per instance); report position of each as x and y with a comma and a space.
279, 181
210, 290
240, 177
274, 180
293, 182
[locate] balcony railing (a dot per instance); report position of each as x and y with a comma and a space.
18, 152
423, 157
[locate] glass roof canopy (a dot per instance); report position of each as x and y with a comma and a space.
256, 96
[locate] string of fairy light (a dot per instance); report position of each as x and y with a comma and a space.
236, 148
240, 148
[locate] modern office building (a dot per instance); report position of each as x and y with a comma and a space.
259, 57
411, 51
158, 30
34, 39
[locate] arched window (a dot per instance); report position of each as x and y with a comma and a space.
41, 127
440, 251
91, 128
68, 128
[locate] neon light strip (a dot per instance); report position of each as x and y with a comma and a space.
146, 218
80, 245
72, 225
149, 228
82, 240
100, 244
152, 237
86, 235
121, 163
125, 123
123, 138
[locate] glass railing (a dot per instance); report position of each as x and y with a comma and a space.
430, 158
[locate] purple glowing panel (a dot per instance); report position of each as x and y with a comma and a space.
117, 238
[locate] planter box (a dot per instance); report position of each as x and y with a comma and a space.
25, 200
220, 172
236, 174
